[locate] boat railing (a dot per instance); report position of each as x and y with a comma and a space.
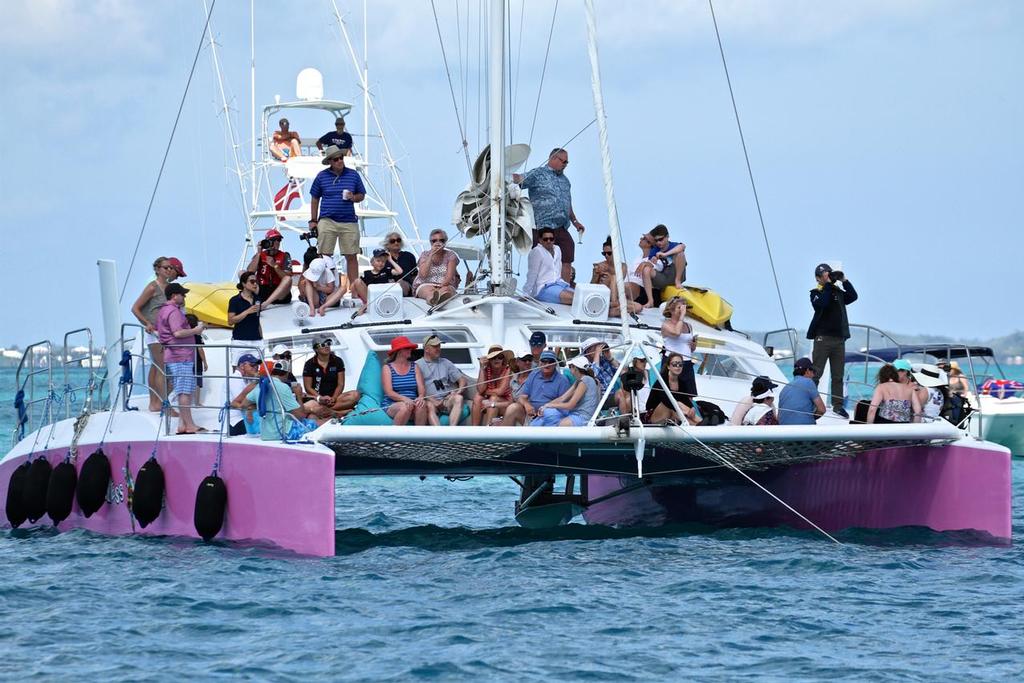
29, 389
69, 359
792, 338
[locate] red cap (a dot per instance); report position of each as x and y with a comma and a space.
274, 234
176, 262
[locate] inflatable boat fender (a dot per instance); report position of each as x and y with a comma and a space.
16, 514
148, 497
93, 482
211, 502
35, 489
60, 493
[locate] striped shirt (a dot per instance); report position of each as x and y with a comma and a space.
403, 385
328, 186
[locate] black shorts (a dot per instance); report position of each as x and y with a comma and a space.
267, 290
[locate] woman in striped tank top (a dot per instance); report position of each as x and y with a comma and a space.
403, 385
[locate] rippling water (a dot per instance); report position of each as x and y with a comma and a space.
431, 581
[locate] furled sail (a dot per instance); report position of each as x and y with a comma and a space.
473, 206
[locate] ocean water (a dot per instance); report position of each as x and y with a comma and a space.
433, 580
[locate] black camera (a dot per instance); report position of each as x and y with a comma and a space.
265, 244
312, 234
632, 380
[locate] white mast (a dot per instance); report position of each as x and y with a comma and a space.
252, 100
606, 165
496, 103
366, 91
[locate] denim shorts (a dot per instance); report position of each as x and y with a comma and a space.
549, 294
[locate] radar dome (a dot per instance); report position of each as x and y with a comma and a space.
309, 85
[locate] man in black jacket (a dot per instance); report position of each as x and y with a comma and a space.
830, 329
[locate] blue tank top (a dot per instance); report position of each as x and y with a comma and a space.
403, 385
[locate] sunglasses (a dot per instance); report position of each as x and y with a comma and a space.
607, 253
168, 267
321, 345
395, 240
337, 159
438, 241
547, 239
286, 354
675, 365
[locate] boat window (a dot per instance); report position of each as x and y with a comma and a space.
720, 366
572, 337
454, 335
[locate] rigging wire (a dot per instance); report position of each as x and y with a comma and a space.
543, 71
167, 151
451, 89
750, 171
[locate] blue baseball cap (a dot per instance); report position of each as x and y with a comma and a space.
548, 355
538, 339
248, 358
802, 365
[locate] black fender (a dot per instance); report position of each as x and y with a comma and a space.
16, 513
93, 482
211, 503
148, 496
35, 489
60, 493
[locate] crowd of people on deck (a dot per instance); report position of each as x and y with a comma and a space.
531, 388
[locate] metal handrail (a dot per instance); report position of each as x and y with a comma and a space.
67, 359
31, 399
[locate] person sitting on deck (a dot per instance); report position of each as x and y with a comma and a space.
638, 282
273, 269
544, 271
278, 404
601, 360
284, 143
403, 385
759, 407
543, 385
323, 382
437, 275
442, 382
894, 401
671, 255
678, 338
659, 408
624, 399
538, 342
338, 137
799, 402
577, 405
284, 354
406, 260
604, 274
378, 274
318, 285
493, 386
246, 379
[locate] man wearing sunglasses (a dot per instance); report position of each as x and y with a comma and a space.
544, 280
551, 197
334, 194
669, 259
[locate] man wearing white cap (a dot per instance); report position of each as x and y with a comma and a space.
283, 354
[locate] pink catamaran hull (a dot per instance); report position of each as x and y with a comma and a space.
962, 486
278, 495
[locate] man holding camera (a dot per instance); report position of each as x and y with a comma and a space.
443, 383
830, 328
273, 269
335, 191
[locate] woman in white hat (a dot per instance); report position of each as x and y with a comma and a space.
576, 406
933, 389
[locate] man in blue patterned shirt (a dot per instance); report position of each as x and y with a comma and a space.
551, 196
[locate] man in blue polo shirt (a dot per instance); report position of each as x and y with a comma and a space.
544, 385
335, 192
799, 402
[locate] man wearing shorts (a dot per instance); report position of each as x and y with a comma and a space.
543, 275
443, 383
335, 192
551, 197
179, 353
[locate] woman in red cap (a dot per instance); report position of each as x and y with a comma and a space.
144, 309
403, 385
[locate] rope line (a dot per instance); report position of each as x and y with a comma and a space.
750, 171
167, 151
451, 89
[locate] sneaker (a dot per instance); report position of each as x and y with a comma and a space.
841, 412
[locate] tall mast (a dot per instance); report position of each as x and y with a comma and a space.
252, 99
366, 90
496, 104
606, 165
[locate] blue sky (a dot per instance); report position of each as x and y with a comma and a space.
883, 134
